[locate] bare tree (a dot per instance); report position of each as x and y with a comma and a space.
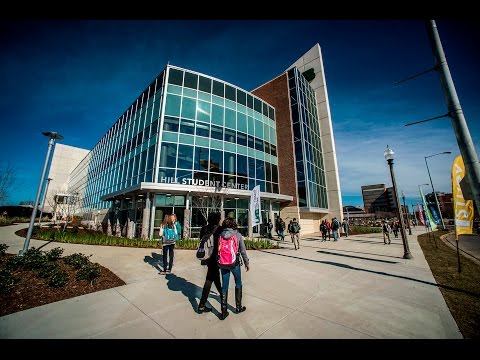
209, 202
8, 177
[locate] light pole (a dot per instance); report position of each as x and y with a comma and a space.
53, 136
434, 193
389, 156
408, 213
414, 215
43, 202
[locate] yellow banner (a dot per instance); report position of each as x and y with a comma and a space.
462, 209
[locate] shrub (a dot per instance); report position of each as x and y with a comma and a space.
14, 263
3, 249
89, 272
54, 254
77, 260
47, 270
7, 281
33, 259
58, 278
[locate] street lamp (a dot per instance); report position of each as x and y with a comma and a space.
434, 193
53, 136
43, 202
389, 156
408, 213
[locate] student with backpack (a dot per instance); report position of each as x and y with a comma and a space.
335, 226
295, 229
211, 231
231, 251
170, 236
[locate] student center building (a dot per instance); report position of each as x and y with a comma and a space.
191, 143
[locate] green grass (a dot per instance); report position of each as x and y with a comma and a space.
74, 236
461, 290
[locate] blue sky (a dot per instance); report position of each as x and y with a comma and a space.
77, 77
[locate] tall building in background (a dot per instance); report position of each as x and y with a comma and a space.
378, 197
191, 143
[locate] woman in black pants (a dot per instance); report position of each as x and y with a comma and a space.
213, 272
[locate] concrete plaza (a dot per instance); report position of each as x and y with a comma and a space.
355, 288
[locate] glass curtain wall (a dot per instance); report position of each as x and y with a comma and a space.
312, 192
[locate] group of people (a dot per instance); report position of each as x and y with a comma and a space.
387, 230
170, 231
293, 229
226, 230
331, 229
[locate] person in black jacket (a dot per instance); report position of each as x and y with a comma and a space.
213, 271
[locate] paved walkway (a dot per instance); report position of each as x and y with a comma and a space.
356, 288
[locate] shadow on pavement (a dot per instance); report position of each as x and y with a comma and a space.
155, 260
191, 291
376, 272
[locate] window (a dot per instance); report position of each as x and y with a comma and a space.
172, 106
203, 129
168, 155
218, 88
185, 157
189, 107
175, 77
241, 97
242, 165
187, 127
170, 124
217, 115
201, 160
216, 160
217, 132
230, 93
205, 84
203, 111
191, 80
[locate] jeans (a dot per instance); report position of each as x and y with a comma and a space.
296, 240
168, 249
335, 234
237, 275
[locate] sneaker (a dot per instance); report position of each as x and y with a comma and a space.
162, 273
169, 271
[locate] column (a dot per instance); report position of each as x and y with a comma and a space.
131, 218
186, 218
146, 217
152, 216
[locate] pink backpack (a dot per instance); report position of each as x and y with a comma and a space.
227, 251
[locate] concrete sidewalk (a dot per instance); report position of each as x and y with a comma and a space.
356, 288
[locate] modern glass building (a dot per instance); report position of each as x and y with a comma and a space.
192, 143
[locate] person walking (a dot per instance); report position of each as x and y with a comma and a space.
289, 229
346, 227
395, 228
229, 229
269, 228
323, 230
386, 232
335, 227
170, 236
281, 229
329, 228
213, 271
295, 228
